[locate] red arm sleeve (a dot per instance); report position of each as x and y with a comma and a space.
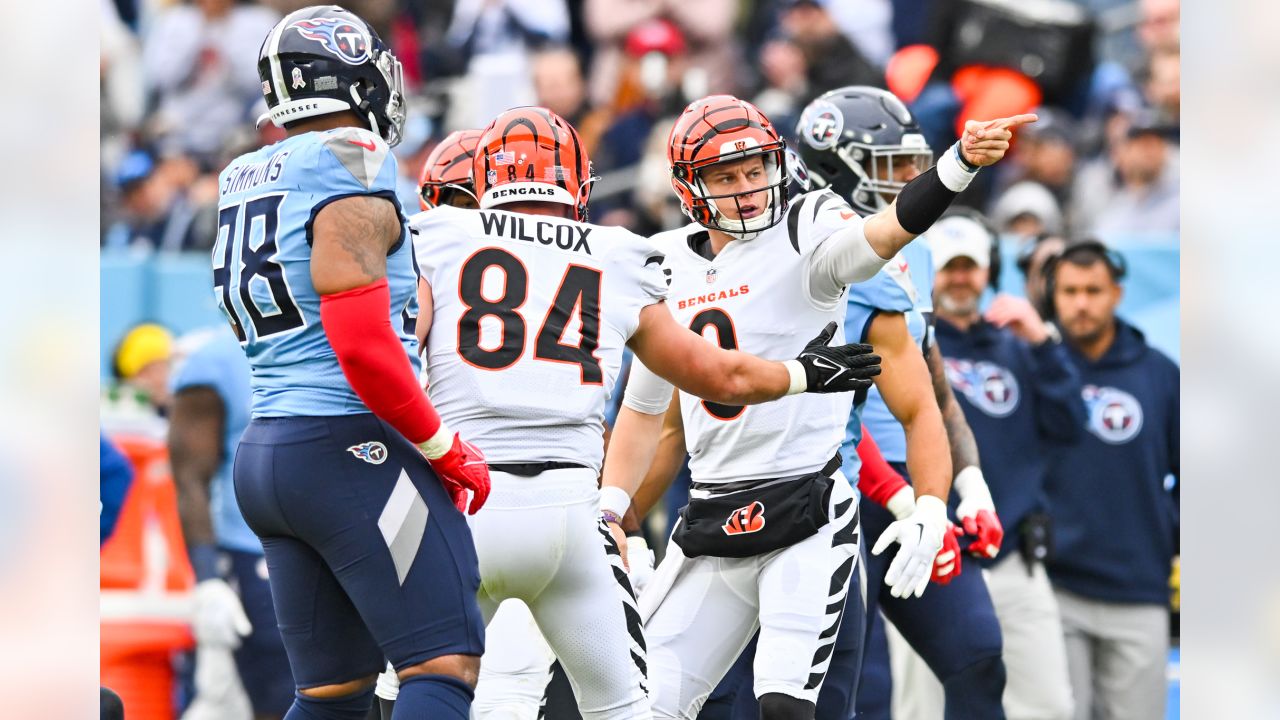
876, 479
358, 325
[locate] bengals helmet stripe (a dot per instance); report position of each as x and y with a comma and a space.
449, 165
531, 153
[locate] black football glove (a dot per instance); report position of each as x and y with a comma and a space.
843, 368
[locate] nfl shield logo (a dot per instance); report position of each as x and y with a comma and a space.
711, 276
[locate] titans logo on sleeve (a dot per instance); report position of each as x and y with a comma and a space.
987, 386
1115, 416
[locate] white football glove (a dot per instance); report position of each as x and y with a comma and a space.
640, 559
977, 513
219, 694
920, 535
219, 620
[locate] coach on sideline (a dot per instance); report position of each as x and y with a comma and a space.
1115, 513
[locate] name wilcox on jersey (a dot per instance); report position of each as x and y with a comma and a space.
565, 237
713, 297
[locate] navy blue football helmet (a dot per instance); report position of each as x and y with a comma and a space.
851, 138
324, 59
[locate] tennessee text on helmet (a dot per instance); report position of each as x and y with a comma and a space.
851, 139
724, 129
531, 153
448, 169
323, 59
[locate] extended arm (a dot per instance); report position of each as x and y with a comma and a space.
195, 452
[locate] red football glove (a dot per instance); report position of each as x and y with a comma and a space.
946, 567
977, 513
462, 468
986, 527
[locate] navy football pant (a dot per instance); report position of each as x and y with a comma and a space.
953, 627
367, 555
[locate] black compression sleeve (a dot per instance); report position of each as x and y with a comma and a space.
923, 201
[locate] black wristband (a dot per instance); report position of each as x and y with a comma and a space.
923, 201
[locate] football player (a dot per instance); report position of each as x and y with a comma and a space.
526, 308
345, 458
234, 624
769, 539
878, 149
516, 656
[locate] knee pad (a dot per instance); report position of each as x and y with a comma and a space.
348, 707
977, 690
776, 706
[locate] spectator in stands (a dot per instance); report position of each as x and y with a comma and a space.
1162, 86
1046, 153
785, 77
833, 60
156, 210
560, 87
234, 624
649, 96
200, 61
1031, 260
1115, 518
1026, 210
498, 38
1134, 191
707, 27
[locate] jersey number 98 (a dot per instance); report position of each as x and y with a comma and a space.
238, 259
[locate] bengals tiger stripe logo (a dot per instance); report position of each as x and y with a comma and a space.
745, 520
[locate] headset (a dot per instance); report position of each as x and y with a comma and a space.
1114, 261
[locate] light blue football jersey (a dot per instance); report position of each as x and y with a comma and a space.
881, 423
904, 285
217, 362
262, 264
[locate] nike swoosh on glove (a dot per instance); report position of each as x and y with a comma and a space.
842, 368
947, 565
462, 468
920, 535
977, 513
220, 620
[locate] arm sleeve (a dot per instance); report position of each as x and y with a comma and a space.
641, 264
837, 254
358, 325
646, 392
1060, 411
876, 479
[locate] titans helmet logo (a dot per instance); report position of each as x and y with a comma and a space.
821, 125
345, 40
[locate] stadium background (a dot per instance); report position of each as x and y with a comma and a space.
180, 93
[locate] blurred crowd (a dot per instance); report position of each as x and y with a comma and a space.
180, 94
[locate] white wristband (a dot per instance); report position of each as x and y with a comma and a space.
954, 175
799, 381
932, 505
903, 502
614, 499
437, 445
970, 480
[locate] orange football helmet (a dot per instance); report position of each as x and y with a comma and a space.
531, 153
718, 129
448, 168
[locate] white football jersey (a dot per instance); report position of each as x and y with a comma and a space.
530, 317
754, 296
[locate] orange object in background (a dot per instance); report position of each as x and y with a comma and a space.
908, 71
992, 92
145, 585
